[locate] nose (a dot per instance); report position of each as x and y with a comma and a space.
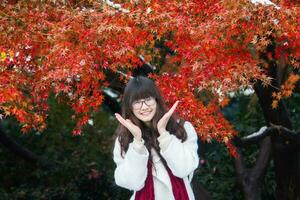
144, 106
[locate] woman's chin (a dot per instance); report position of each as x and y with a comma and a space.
146, 118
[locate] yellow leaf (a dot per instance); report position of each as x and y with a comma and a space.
225, 139
274, 104
7, 112
3, 56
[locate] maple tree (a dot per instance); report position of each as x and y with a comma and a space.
218, 47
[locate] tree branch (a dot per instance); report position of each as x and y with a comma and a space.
264, 131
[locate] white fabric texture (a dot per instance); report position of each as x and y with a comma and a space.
181, 157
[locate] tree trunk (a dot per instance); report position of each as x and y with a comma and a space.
286, 159
249, 179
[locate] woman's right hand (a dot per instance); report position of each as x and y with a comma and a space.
134, 129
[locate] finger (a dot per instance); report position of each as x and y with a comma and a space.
129, 121
171, 111
121, 119
168, 114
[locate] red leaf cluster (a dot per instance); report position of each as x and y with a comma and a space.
63, 47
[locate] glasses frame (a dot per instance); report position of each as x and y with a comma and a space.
143, 101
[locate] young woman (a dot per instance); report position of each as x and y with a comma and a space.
155, 152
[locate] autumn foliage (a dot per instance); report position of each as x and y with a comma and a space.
64, 47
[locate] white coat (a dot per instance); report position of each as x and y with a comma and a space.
181, 157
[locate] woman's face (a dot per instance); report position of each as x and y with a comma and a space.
144, 109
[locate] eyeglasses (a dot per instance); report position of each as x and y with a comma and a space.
149, 101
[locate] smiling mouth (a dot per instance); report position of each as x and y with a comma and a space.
146, 113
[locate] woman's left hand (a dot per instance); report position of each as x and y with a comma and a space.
162, 123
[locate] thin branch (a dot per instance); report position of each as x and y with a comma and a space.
253, 138
264, 131
256, 134
286, 131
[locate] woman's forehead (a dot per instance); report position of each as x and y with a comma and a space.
142, 92
140, 97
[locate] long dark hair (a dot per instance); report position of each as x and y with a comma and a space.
142, 87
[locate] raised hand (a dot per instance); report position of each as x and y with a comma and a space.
162, 123
134, 129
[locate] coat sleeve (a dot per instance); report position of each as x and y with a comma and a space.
131, 170
181, 157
